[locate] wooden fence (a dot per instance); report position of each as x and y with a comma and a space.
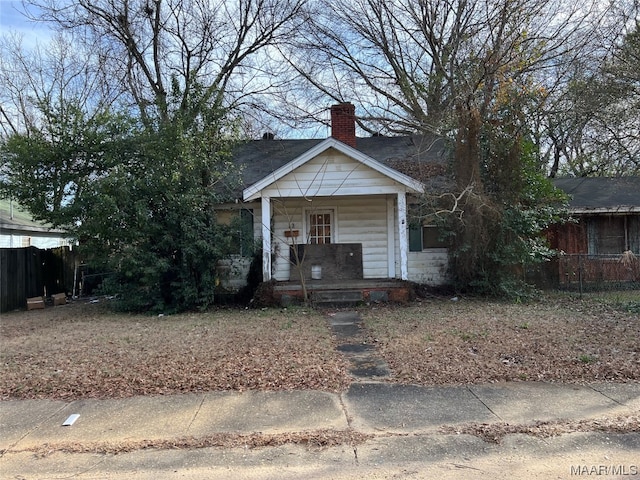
31, 272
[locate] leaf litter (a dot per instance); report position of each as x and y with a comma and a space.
558, 339
84, 351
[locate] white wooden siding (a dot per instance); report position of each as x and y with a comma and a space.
360, 219
283, 213
332, 174
428, 267
364, 220
286, 214
232, 272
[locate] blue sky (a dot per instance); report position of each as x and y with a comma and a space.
12, 20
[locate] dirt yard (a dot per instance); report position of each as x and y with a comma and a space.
82, 350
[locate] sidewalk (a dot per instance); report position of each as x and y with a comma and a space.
404, 423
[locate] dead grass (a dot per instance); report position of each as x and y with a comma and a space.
495, 432
558, 339
80, 351
316, 439
84, 351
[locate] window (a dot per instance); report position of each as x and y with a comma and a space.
320, 227
424, 237
244, 231
613, 235
240, 224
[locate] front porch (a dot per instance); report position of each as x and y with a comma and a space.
343, 293
334, 194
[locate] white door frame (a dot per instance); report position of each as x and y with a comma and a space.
332, 210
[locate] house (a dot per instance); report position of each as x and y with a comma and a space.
338, 210
603, 244
18, 229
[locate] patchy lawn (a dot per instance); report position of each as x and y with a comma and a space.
82, 350
561, 338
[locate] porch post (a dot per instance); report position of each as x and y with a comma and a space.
402, 234
391, 238
266, 239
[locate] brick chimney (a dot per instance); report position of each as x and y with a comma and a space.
343, 123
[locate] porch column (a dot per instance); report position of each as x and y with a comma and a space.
391, 237
402, 235
266, 239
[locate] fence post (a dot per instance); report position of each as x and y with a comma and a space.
580, 276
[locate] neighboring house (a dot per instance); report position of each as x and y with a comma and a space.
339, 209
18, 229
31, 264
603, 244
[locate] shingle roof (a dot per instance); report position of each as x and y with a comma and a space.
424, 158
602, 193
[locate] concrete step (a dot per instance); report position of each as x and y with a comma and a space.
337, 297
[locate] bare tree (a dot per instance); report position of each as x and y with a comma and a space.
476, 72
593, 122
58, 72
410, 63
165, 50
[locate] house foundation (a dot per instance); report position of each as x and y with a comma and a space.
347, 293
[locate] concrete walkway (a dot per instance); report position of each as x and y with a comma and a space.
366, 364
403, 422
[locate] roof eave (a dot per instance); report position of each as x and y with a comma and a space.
619, 210
30, 229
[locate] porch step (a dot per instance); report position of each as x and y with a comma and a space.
343, 298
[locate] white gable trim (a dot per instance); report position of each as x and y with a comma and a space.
253, 192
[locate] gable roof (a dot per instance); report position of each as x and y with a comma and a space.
410, 160
253, 191
601, 194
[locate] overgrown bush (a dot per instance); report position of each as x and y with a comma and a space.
152, 221
502, 209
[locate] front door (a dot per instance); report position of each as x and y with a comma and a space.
321, 227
